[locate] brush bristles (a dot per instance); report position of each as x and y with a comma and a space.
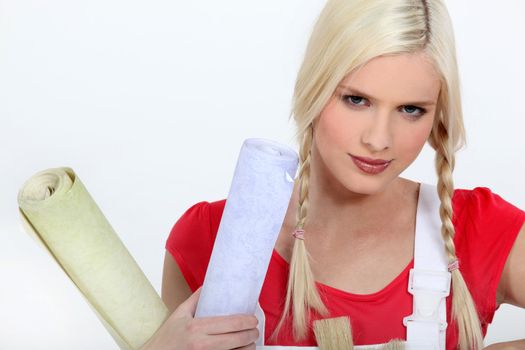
394, 344
336, 334
333, 333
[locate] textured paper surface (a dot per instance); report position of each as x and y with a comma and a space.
58, 212
251, 221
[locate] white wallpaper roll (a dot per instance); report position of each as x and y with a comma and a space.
253, 215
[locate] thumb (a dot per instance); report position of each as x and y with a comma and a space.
188, 307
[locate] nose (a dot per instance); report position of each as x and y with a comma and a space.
377, 135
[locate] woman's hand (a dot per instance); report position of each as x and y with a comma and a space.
511, 345
181, 331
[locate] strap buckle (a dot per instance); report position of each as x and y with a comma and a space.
430, 289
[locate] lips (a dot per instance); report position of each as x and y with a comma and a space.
369, 165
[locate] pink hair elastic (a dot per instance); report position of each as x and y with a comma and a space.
453, 265
298, 233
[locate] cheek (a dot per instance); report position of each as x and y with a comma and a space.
411, 140
335, 127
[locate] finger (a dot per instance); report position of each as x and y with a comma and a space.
226, 324
233, 340
247, 347
188, 307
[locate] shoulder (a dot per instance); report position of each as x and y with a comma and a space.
216, 208
199, 221
477, 196
191, 239
486, 228
484, 220
480, 206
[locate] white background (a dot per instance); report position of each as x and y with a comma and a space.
149, 102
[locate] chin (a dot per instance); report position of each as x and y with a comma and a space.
366, 188
366, 184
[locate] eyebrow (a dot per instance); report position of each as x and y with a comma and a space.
369, 97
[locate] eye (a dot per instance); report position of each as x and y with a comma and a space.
413, 111
354, 100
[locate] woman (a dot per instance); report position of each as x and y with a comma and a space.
379, 79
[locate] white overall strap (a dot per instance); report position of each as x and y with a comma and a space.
429, 280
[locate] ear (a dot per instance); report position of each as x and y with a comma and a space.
430, 138
313, 124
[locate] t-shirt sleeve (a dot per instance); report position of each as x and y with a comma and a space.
490, 229
190, 243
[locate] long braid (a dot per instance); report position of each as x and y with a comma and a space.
301, 291
463, 307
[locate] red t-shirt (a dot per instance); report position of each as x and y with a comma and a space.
486, 228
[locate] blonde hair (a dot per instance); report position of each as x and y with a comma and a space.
347, 34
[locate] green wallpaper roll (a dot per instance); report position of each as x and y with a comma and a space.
57, 210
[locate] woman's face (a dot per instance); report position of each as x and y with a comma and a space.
377, 121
